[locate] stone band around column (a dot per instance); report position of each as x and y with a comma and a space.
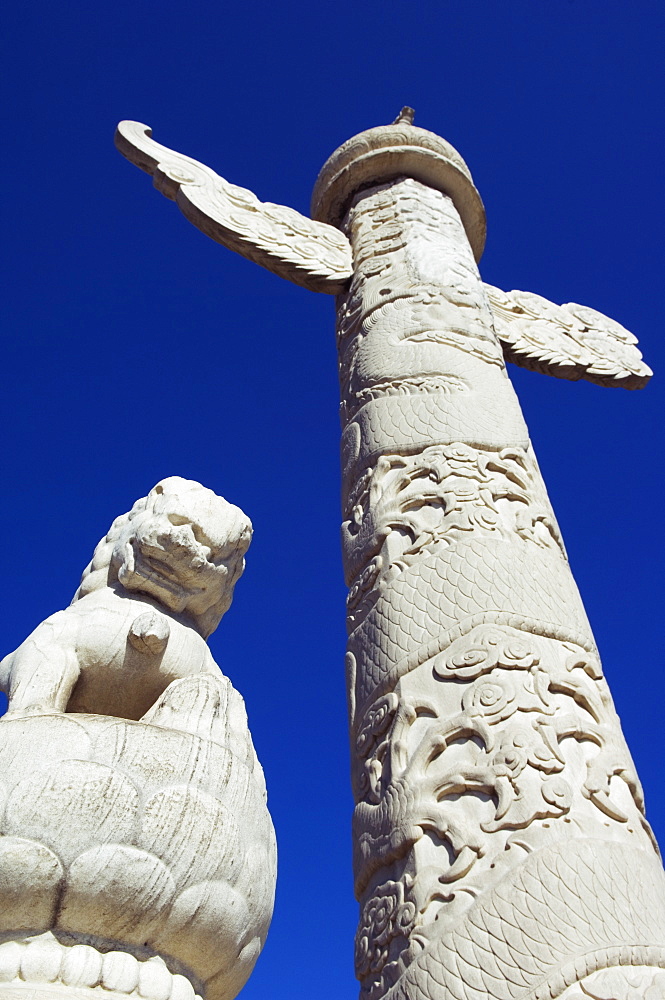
400, 150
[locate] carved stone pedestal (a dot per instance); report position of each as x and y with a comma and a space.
144, 851
137, 856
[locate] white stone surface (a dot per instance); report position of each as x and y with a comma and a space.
500, 844
158, 585
308, 253
401, 150
569, 341
136, 849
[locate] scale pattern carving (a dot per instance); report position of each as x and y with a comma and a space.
496, 801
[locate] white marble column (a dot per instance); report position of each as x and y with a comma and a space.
500, 844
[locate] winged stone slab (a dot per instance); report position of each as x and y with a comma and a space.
278, 238
569, 341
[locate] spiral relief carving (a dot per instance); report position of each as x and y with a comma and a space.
501, 850
484, 734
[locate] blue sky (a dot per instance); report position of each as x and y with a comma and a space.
135, 348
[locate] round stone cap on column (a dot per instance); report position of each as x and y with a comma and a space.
398, 150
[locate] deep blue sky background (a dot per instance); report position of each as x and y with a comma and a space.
135, 348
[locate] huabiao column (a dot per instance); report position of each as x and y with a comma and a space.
501, 849
500, 844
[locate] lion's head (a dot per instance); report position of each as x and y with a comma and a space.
182, 545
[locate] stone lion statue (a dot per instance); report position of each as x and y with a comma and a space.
158, 585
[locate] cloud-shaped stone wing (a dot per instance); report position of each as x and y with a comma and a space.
568, 341
312, 254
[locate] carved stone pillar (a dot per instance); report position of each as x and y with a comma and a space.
501, 850
500, 844
137, 855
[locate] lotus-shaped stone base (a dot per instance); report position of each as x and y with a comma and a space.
152, 838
